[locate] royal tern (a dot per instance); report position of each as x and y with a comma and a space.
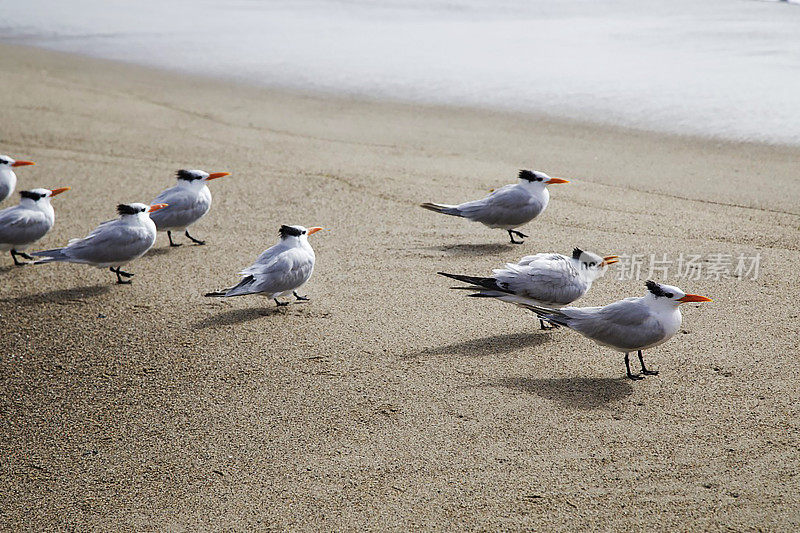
26, 223
546, 280
629, 325
279, 270
188, 201
508, 207
113, 243
8, 180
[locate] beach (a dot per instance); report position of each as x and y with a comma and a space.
388, 401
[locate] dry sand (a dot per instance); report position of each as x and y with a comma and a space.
387, 401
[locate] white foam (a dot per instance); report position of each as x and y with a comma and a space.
719, 67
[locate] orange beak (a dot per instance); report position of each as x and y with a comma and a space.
216, 175
59, 190
156, 207
312, 231
22, 163
694, 298
552, 181
610, 260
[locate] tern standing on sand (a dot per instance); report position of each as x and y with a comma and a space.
629, 325
8, 180
508, 207
547, 280
279, 270
113, 243
188, 201
26, 223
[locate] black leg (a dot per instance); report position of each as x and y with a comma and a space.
628, 368
26, 256
14, 255
302, 298
169, 234
119, 273
511, 235
644, 370
544, 326
279, 303
196, 241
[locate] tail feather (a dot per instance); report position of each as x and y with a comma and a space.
554, 316
48, 256
232, 291
478, 282
216, 294
443, 208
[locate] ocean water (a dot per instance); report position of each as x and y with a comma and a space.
719, 68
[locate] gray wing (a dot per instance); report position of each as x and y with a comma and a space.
184, 208
549, 282
110, 242
22, 226
528, 259
284, 272
507, 206
627, 324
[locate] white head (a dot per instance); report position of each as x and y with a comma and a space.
137, 209
537, 178
671, 295
7, 163
296, 234
39, 196
592, 265
197, 178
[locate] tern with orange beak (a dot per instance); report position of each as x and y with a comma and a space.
629, 325
113, 243
279, 270
26, 223
188, 201
8, 180
508, 207
546, 280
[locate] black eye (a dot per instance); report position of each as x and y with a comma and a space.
304, 233
592, 264
669, 294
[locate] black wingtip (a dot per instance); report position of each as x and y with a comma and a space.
214, 294
576, 253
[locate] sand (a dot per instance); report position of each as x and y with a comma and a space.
387, 402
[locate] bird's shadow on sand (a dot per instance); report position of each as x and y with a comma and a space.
496, 344
239, 316
75, 294
577, 392
160, 251
167, 249
472, 249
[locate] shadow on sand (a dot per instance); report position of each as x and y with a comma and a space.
472, 249
75, 294
239, 316
580, 393
496, 344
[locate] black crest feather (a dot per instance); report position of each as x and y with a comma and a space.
32, 195
286, 231
187, 175
655, 288
576, 253
125, 209
528, 175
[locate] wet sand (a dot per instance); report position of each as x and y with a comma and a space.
388, 401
